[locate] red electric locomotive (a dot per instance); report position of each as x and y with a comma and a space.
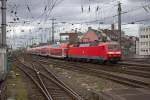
102, 51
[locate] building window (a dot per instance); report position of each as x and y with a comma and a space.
146, 43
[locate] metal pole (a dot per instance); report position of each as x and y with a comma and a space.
119, 21
53, 31
3, 23
3, 46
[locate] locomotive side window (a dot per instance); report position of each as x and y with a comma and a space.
84, 45
113, 47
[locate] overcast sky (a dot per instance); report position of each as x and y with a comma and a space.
33, 16
70, 10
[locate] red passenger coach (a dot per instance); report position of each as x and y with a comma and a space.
54, 50
59, 50
44, 50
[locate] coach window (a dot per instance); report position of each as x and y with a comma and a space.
64, 38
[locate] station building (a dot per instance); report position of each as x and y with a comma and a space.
144, 40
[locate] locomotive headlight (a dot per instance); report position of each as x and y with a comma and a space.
117, 52
110, 53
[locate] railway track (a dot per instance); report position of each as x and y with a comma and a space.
145, 62
107, 74
135, 64
48, 84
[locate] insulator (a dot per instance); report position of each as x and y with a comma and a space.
22, 30
82, 8
89, 8
97, 8
145, 9
45, 8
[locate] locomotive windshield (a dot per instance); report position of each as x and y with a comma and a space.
113, 47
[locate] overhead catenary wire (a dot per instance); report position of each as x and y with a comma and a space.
46, 14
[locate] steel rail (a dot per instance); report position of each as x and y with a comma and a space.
136, 71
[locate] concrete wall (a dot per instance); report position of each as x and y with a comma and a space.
3, 63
